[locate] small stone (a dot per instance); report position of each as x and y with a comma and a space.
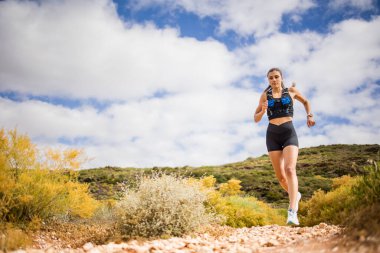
50, 250
142, 249
271, 243
88, 246
94, 250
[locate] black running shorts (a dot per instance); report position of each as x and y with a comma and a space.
278, 137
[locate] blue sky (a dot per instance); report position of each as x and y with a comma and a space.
173, 83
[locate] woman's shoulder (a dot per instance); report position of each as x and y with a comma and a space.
292, 89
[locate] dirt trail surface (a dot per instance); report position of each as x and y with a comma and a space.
321, 238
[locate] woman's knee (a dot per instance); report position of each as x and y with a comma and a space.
290, 171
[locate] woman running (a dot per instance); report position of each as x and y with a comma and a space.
281, 137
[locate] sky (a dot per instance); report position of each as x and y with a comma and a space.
144, 83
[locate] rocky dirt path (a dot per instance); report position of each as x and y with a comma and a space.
321, 238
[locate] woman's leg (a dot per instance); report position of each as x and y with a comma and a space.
290, 155
277, 160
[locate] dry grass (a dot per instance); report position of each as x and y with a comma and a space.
74, 234
12, 238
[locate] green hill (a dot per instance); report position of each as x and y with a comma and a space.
316, 168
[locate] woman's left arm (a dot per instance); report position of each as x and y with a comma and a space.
297, 95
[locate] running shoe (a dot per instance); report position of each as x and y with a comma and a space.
292, 218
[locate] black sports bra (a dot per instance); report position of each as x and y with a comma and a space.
279, 107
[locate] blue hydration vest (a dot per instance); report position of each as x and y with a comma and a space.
279, 107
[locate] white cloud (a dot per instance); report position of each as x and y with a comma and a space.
350, 134
347, 56
185, 129
367, 117
343, 58
48, 121
281, 50
342, 70
82, 49
245, 17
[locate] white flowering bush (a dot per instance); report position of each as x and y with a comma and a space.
162, 205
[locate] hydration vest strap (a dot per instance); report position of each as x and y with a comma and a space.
269, 93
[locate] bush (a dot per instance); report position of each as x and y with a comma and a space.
367, 195
232, 187
332, 207
162, 205
353, 202
245, 211
367, 190
30, 191
239, 211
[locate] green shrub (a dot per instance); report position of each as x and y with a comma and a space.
162, 205
29, 190
353, 202
239, 211
367, 193
332, 207
367, 190
232, 187
245, 211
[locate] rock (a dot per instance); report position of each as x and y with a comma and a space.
88, 246
94, 250
271, 243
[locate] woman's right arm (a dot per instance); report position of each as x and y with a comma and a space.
261, 108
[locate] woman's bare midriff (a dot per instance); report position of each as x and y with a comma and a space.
279, 121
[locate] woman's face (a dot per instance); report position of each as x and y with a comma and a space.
275, 79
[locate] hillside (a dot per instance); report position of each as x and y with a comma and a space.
316, 167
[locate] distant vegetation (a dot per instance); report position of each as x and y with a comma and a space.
316, 168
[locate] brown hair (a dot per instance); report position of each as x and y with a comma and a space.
274, 69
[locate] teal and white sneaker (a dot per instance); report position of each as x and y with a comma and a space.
298, 200
292, 218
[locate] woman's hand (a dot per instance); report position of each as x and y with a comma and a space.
264, 106
310, 121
